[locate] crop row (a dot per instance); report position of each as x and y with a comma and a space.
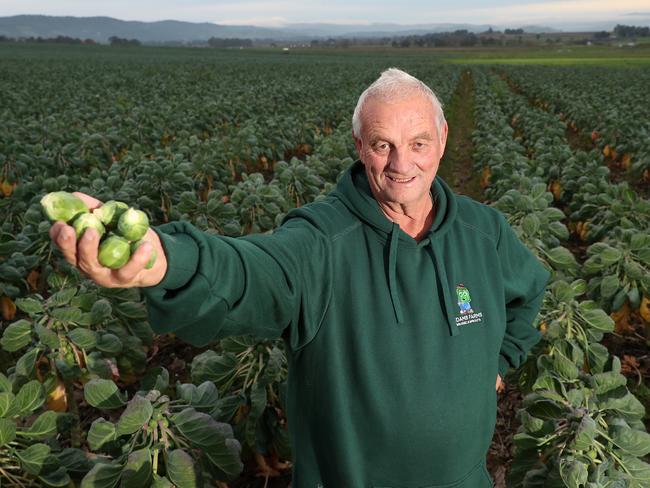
611, 106
580, 424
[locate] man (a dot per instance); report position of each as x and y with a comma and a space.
400, 303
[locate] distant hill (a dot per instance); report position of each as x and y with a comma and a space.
100, 29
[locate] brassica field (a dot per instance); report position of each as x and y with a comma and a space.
233, 140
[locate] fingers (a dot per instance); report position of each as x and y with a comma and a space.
65, 238
91, 203
129, 272
87, 259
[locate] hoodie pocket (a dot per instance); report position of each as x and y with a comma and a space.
477, 477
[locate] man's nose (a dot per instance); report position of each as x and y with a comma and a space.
399, 161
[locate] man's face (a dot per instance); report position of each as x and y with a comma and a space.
400, 148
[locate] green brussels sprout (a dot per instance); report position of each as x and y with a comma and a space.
133, 224
135, 245
114, 252
110, 212
61, 205
84, 221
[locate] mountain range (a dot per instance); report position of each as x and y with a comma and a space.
100, 29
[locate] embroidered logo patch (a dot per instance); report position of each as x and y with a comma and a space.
467, 313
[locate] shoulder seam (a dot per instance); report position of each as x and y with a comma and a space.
345, 231
476, 229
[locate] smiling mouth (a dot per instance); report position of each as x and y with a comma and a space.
400, 180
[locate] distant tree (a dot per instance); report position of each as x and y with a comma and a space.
631, 31
513, 31
119, 41
229, 42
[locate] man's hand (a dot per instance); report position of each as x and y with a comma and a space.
83, 254
500, 386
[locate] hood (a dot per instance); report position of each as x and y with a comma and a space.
354, 191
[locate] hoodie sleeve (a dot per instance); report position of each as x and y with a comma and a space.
264, 285
524, 280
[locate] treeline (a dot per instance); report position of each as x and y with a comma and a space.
457, 38
120, 41
631, 31
49, 40
230, 42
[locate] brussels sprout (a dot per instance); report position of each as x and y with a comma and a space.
110, 212
84, 221
133, 224
135, 245
114, 252
61, 205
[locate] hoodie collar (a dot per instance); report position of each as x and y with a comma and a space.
354, 191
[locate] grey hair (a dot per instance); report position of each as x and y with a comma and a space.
394, 83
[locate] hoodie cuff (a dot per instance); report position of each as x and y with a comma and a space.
504, 366
182, 253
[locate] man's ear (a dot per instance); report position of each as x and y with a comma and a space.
443, 137
358, 144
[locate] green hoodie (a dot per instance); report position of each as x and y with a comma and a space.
393, 345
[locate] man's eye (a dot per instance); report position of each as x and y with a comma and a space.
418, 145
381, 146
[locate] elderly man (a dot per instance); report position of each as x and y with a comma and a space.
400, 303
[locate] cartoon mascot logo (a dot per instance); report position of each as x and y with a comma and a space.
463, 299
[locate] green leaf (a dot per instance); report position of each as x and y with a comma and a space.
597, 356
609, 255
58, 478
17, 335
103, 476
44, 426
5, 384
604, 382
103, 394
564, 366
609, 286
6, 399
101, 310
109, 343
258, 404
639, 470
530, 224
98, 365
181, 470
25, 366
47, 336
29, 398
628, 406
561, 258
29, 305
573, 472
137, 413
162, 482
74, 460
598, 319
101, 432
61, 297
155, 379
131, 310
137, 471
66, 314
210, 366
84, 338
7, 431
214, 438
584, 434
634, 442
203, 397
33, 458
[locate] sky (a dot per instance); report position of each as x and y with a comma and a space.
281, 12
